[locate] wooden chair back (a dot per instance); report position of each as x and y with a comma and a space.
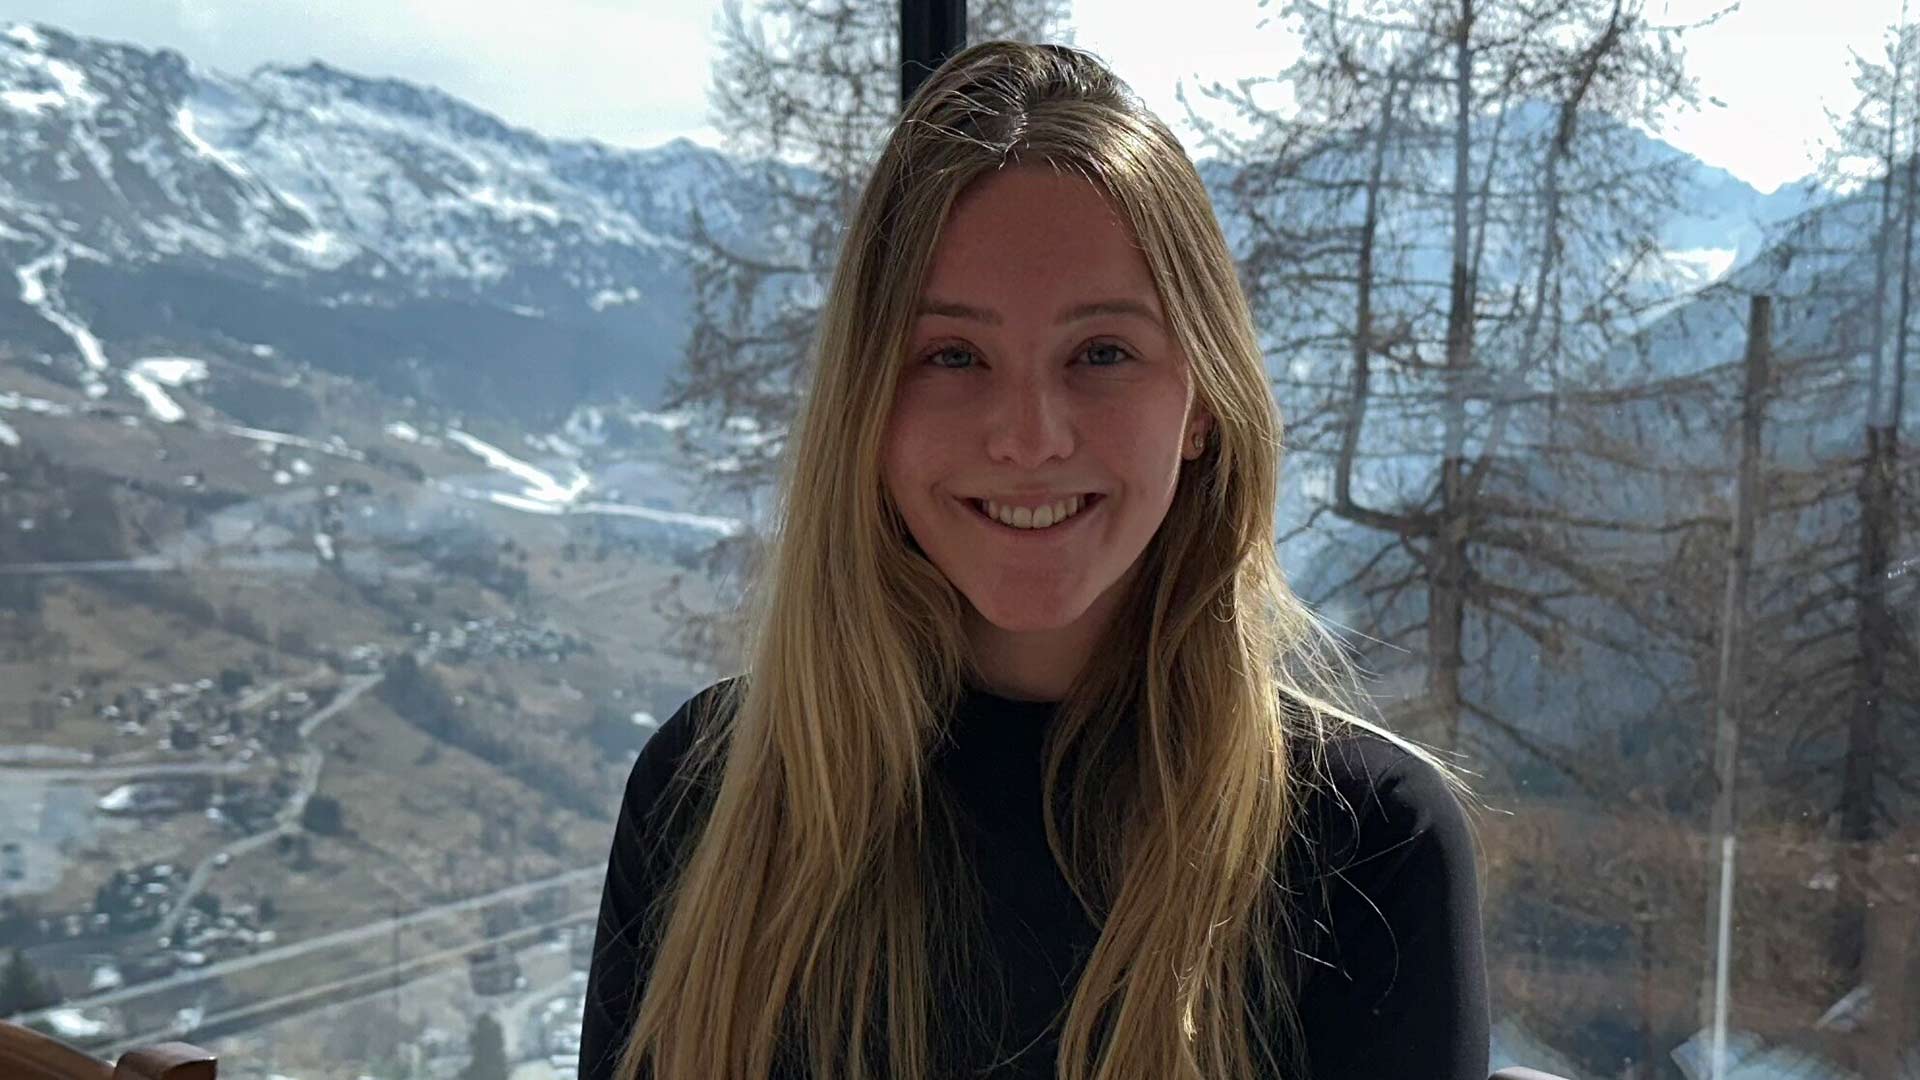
26, 1054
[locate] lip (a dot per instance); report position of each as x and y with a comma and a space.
1037, 536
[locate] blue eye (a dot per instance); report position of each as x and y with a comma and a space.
934, 356
945, 350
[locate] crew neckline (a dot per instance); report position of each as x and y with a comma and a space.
982, 696
983, 712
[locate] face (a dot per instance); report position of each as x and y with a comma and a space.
1040, 370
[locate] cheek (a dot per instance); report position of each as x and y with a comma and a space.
895, 448
1145, 441
913, 447
897, 464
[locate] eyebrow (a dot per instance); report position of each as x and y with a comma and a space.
1118, 306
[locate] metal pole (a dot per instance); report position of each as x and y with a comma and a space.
930, 31
1726, 740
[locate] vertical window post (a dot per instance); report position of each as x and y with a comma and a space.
930, 31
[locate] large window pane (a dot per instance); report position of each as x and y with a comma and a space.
384, 439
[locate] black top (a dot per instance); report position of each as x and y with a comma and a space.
1392, 965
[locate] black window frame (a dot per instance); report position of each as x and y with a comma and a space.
930, 31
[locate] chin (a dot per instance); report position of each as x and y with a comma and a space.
1023, 615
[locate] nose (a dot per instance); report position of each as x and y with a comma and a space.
1030, 422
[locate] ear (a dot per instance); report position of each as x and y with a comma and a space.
1198, 429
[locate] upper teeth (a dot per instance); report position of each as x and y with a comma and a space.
1021, 517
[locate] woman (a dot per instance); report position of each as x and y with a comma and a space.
1005, 796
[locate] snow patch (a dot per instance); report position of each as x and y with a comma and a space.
404, 431
587, 424
606, 298
74, 1024
23, 403
171, 370
72, 81
32, 101
665, 421
69, 89
25, 36
553, 444
720, 526
35, 294
106, 977
1705, 264
164, 408
117, 800
8, 436
320, 245
513, 206
183, 123
518, 502
334, 446
541, 486
173, 235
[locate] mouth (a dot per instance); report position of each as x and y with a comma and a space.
1089, 503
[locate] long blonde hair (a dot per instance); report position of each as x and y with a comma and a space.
798, 922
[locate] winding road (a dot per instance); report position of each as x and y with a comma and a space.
288, 820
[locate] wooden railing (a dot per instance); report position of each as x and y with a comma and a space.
26, 1054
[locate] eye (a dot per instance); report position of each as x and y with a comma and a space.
933, 356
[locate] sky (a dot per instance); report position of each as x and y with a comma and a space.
635, 72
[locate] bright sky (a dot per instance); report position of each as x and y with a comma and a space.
635, 72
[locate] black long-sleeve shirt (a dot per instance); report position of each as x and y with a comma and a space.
1393, 981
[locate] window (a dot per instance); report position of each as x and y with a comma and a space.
384, 437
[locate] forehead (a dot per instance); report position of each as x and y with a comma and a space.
1028, 228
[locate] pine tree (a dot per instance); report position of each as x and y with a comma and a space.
488, 1046
23, 988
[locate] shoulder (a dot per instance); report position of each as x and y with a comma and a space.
696, 716
1369, 801
1389, 949
660, 768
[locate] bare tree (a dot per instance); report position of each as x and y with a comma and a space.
1822, 743
1449, 239
1876, 631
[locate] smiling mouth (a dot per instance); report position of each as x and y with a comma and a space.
1088, 502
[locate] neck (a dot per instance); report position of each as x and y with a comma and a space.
1038, 665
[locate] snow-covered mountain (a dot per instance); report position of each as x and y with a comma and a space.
367, 226
390, 232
